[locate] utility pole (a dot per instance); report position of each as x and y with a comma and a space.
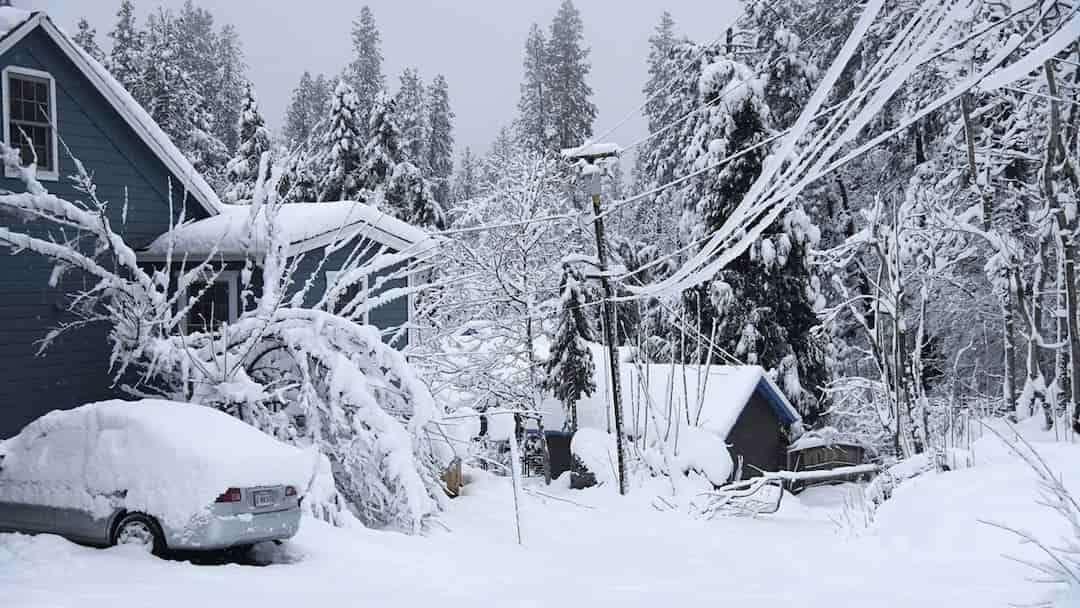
590, 153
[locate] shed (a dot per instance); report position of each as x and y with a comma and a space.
740, 404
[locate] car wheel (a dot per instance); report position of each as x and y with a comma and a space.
136, 529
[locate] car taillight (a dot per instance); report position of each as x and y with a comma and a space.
290, 491
230, 495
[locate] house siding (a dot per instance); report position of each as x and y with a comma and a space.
75, 369
758, 438
388, 317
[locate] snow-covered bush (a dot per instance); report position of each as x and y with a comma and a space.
308, 375
1061, 562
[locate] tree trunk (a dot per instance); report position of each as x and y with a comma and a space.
1065, 230
1009, 326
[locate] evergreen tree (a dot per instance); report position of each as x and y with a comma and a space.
365, 73
342, 149
86, 38
410, 110
243, 169
567, 69
125, 60
570, 371
467, 180
440, 145
533, 121
383, 149
308, 106
759, 304
661, 75
392, 181
224, 99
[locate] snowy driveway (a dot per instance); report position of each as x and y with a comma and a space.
926, 549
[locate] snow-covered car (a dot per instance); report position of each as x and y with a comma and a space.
166, 476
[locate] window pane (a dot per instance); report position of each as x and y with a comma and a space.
212, 308
29, 120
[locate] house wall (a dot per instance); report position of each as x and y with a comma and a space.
75, 369
387, 317
758, 438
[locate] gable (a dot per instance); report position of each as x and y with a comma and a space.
50, 42
123, 166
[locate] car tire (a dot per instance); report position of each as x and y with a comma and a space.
141, 530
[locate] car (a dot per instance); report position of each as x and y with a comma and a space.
159, 475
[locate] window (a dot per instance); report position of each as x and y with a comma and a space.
30, 118
216, 305
348, 295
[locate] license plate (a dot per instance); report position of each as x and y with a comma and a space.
264, 499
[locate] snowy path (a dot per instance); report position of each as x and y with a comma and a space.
926, 549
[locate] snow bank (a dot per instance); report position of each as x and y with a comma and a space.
306, 226
596, 450
167, 459
705, 453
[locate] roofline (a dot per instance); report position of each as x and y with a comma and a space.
353, 231
778, 395
191, 180
349, 232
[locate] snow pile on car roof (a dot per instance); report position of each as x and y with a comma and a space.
170, 460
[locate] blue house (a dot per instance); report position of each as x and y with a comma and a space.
151, 186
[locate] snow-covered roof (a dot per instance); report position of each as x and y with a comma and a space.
715, 395
16, 23
307, 226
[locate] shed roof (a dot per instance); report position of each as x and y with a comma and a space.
715, 395
307, 226
16, 24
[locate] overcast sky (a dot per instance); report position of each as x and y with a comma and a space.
477, 44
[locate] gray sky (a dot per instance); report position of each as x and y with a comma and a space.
477, 44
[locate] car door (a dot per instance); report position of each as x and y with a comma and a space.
18, 511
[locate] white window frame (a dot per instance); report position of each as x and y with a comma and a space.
414, 327
54, 174
331, 278
230, 278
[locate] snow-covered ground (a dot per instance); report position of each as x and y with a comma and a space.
926, 547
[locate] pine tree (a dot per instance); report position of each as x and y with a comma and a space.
392, 181
172, 98
365, 73
243, 169
533, 120
567, 69
125, 60
410, 109
343, 158
440, 145
570, 370
467, 179
660, 45
307, 107
224, 99
86, 38
382, 152
759, 303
